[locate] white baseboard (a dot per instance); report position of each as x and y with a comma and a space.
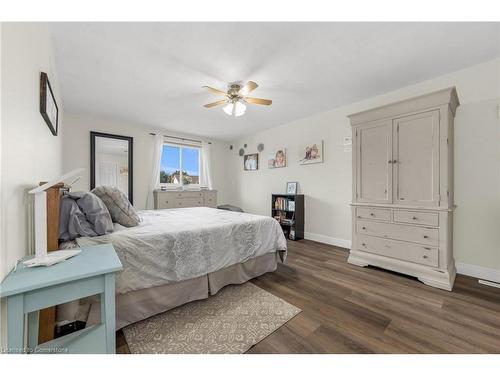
479, 272
328, 240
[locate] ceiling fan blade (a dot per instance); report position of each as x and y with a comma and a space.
258, 101
215, 91
218, 102
250, 86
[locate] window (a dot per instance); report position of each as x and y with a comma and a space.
180, 165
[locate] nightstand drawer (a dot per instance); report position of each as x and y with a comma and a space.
373, 213
409, 252
416, 217
427, 236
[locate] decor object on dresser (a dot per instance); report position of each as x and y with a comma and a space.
277, 159
251, 162
291, 188
288, 210
112, 162
402, 198
48, 105
180, 199
311, 153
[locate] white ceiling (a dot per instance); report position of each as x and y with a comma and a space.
152, 73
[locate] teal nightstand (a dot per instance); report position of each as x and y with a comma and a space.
29, 290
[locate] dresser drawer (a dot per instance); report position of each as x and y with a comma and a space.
164, 201
416, 217
373, 213
189, 194
409, 252
211, 199
188, 202
427, 236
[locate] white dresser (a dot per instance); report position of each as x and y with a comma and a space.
402, 200
177, 199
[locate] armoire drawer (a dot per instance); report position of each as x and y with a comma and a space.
427, 236
373, 213
409, 252
416, 217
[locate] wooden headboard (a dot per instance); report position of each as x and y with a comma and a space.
47, 317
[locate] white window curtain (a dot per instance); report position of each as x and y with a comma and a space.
154, 179
206, 169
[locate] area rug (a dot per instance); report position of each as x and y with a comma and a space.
231, 322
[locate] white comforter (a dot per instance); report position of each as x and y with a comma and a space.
179, 244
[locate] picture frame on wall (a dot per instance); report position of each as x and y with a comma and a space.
48, 105
277, 159
311, 153
251, 162
291, 188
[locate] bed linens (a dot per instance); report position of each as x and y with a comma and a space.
179, 244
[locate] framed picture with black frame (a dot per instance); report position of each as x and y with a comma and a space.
48, 105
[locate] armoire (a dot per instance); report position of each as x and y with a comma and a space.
402, 196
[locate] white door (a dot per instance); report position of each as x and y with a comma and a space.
416, 159
374, 163
107, 174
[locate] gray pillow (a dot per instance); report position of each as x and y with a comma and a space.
96, 213
83, 215
118, 205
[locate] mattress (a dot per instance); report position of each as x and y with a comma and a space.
175, 245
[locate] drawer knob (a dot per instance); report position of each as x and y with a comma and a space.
427, 248
372, 214
359, 217
425, 256
364, 228
426, 236
363, 244
415, 218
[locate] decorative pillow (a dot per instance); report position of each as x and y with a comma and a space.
118, 205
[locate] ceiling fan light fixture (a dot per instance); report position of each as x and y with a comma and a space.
239, 109
228, 108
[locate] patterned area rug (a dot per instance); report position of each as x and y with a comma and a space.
230, 322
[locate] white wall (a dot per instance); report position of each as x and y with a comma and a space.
327, 186
30, 153
76, 153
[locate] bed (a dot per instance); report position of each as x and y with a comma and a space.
175, 256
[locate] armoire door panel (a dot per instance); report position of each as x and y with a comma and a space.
374, 163
416, 159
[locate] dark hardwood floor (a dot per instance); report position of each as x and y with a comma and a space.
349, 309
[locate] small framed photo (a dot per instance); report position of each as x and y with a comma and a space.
291, 205
251, 162
277, 159
291, 188
48, 105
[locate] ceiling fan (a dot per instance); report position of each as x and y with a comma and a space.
236, 99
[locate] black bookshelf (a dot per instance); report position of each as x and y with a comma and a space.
288, 209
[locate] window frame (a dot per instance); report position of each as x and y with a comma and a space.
181, 146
